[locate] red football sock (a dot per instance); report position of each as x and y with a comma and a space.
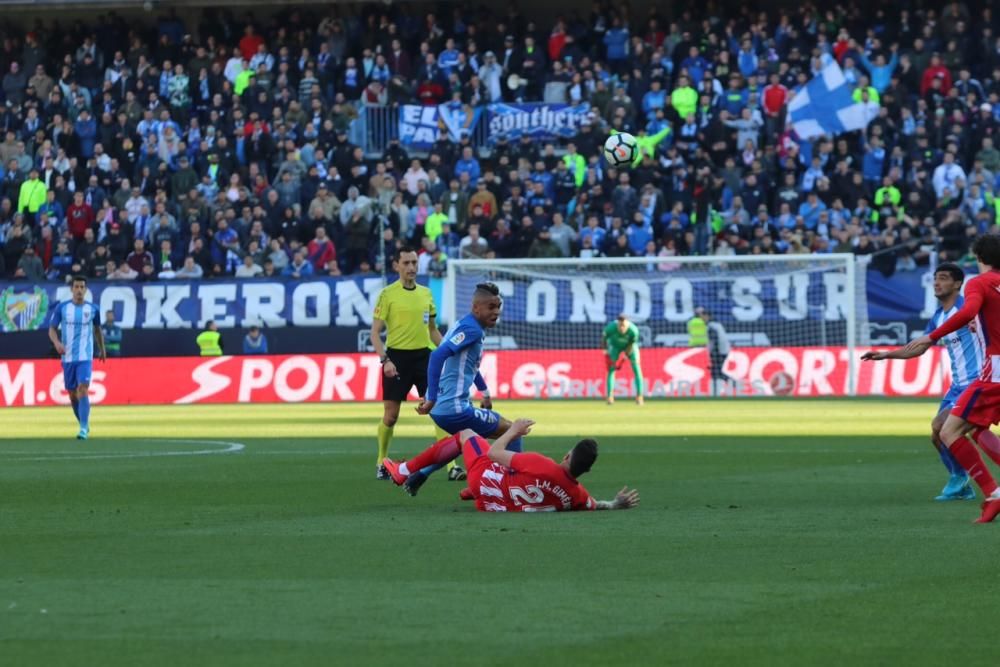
441, 452
990, 443
968, 457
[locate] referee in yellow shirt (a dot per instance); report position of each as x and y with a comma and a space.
407, 310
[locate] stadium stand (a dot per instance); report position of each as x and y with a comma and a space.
248, 148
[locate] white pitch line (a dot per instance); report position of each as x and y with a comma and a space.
234, 447
331, 452
228, 448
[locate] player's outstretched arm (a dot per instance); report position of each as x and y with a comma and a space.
917, 346
625, 499
898, 353
498, 450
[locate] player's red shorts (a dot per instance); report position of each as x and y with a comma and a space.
484, 476
979, 404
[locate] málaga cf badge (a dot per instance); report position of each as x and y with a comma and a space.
23, 311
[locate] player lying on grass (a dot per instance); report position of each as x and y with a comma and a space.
621, 337
966, 353
501, 480
978, 407
451, 372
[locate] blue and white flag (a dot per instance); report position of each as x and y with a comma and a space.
420, 126
824, 106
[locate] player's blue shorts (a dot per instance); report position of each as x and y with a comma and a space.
482, 421
76, 373
949, 400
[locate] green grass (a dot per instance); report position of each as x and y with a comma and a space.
770, 532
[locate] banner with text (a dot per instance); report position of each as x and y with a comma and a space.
670, 372
539, 121
817, 296
180, 304
805, 292
421, 126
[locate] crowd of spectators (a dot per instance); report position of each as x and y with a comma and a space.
222, 149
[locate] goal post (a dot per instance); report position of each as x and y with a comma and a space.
793, 323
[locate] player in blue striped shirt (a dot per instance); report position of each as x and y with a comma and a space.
74, 328
966, 350
451, 372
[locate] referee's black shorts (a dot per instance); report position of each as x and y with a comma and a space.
412, 368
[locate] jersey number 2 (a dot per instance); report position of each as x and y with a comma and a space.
529, 495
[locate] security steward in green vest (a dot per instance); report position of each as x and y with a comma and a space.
210, 340
697, 329
576, 164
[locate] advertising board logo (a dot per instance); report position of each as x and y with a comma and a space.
23, 311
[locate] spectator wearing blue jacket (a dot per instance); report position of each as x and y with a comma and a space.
810, 210
544, 176
86, 131
873, 162
468, 165
300, 266
594, 231
746, 60
880, 72
52, 208
448, 59
639, 233
695, 65
616, 44
654, 100
736, 97
255, 342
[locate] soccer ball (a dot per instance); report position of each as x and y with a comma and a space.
620, 149
782, 384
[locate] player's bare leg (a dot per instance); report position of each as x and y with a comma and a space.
953, 434
958, 486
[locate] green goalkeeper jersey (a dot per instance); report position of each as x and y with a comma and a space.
618, 340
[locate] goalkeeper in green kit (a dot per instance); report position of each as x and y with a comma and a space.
622, 337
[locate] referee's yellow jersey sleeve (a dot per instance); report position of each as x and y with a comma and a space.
382, 305
406, 314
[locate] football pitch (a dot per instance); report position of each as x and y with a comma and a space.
770, 532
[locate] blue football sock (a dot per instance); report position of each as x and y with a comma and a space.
948, 459
73, 401
429, 470
84, 412
515, 445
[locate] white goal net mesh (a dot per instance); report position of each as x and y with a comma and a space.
775, 324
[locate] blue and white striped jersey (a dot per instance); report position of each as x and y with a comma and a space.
465, 341
76, 329
964, 347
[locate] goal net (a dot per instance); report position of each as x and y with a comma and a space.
723, 326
